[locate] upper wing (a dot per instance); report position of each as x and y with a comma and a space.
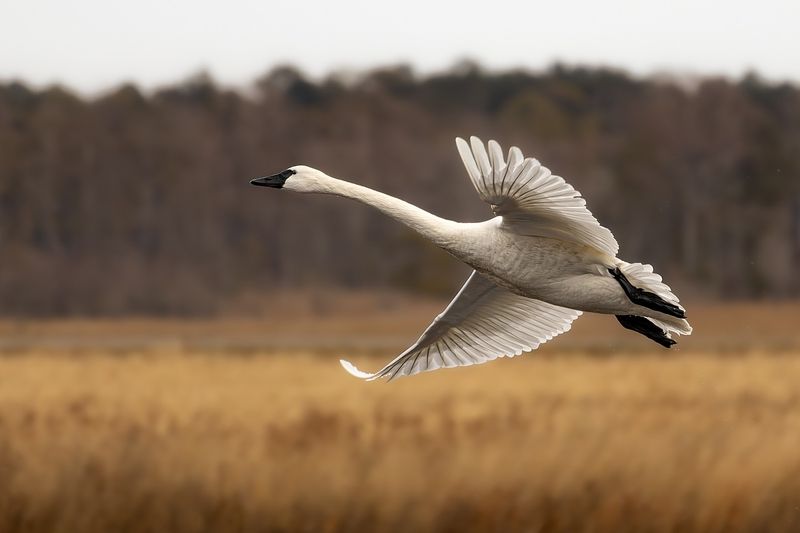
483, 322
530, 199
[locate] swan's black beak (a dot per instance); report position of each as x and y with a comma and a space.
275, 181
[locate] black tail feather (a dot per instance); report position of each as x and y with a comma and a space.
641, 325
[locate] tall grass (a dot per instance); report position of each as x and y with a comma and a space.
165, 441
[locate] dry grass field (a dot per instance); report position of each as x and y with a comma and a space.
173, 438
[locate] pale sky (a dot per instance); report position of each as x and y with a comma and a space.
93, 45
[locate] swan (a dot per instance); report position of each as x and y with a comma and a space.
541, 262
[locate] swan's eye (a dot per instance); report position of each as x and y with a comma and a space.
287, 173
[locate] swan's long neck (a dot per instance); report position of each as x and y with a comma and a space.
440, 231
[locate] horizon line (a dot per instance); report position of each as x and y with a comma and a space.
683, 78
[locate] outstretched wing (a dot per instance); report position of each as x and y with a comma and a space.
531, 200
483, 322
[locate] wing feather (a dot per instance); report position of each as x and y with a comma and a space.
483, 322
531, 200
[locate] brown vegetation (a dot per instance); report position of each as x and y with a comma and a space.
344, 321
168, 441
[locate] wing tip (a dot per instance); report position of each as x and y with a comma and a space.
351, 369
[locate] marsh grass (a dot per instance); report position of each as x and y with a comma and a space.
168, 441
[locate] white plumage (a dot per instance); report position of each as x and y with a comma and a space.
531, 200
483, 322
541, 262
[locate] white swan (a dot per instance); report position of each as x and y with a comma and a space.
540, 262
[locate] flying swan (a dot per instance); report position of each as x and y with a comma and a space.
538, 264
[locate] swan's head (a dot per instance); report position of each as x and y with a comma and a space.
299, 178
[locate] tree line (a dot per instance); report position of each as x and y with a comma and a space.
138, 201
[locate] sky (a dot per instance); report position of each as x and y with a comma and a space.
94, 45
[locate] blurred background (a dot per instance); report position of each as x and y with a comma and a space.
169, 334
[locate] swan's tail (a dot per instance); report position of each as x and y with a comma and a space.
650, 291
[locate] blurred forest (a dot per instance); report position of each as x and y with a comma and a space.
138, 201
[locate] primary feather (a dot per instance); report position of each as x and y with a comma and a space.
531, 200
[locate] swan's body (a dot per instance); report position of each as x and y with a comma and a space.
538, 264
